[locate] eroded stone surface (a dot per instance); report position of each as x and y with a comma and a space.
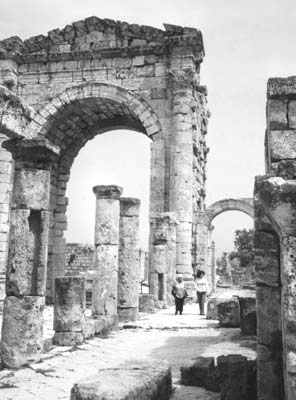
69, 305
27, 258
22, 330
128, 263
228, 313
248, 315
134, 381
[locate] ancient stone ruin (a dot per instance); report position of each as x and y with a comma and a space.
61, 90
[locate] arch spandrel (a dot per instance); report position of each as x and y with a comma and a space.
129, 110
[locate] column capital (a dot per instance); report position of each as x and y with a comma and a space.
107, 191
38, 153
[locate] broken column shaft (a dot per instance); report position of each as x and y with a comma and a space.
69, 308
128, 265
104, 300
22, 329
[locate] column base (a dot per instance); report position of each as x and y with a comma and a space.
68, 338
22, 331
127, 314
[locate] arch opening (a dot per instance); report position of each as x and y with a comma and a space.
71, 126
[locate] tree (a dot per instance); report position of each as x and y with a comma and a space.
243, 243
243, 240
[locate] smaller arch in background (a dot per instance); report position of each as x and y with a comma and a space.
245, 205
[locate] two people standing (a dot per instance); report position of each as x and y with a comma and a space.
179, 292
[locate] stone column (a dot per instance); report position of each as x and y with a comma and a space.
69, 309
181, 174
5, 195
162, 254
213, 265
128, 260
104, 301
22, 328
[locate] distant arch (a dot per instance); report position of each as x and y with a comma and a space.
245, 205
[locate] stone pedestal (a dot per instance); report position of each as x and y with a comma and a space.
128, 263
104, 297
22, 339
69, 309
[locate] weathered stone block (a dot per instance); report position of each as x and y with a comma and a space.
27, 258
107, 221
248, 315
266, 259
269, 328
68, 338
69, 304
196, 374
104, 293
127, 314
22, 330
147, 303
270, 378
277, 114
228, 314
212, 308
233, 371
282, 144
31, 189
292, 113
136, 381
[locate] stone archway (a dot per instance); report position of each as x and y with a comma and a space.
205, 256
75, 117
245, 205
93, 76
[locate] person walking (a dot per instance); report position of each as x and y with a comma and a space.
180, 293
201, 285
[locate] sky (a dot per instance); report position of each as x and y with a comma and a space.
246, 42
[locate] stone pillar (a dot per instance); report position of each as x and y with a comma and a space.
275, 202
69, 309
213, 265
162, 254
22, 329
128, 260
5, 194
181, 174
269, 330
104, 300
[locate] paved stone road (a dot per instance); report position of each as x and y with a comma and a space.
161, 336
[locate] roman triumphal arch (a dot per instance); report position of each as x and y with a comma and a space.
60, 90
